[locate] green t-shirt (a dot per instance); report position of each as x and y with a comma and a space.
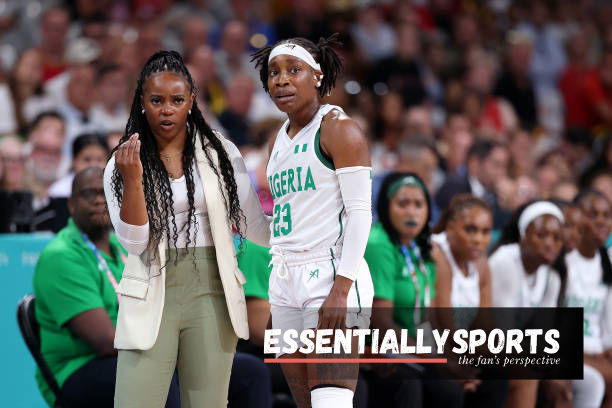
67, 282
254, 262
392, 279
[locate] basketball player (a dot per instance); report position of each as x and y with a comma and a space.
320, 178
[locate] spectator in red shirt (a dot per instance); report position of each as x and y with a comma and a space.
587, 91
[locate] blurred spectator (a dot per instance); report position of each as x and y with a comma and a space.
492, 116
80, 52
565, 190
88, 150
418, 155
389, 132
546, 178
233, 58
76, 110
434, 69
590, 95
401, 70
602, 182
44, 162
27, 90
7, 107
303, 19
110, 112
419, 121
515, 84
576, 149
487, 164
234, 119
256, 159
54, 25
548, 53
106, 36
521, 153
456, 140
194, 33
112, 140
374, 37
76, 304
149, 41
211, 92
12, 157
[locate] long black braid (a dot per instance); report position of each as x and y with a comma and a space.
323, 53
155, 180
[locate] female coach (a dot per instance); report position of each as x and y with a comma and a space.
175, 189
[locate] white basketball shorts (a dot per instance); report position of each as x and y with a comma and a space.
300, 283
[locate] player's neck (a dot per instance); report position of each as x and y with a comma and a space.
302, 117
587, 251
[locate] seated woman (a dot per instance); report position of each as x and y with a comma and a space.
403, 270
463, 278
526, 269
589, 285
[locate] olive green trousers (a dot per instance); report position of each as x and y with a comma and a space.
195, 336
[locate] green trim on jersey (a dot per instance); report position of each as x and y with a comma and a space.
341, 226
325, 159
331, 251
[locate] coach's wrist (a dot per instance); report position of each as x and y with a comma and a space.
342, 285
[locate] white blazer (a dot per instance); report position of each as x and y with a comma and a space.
142, 287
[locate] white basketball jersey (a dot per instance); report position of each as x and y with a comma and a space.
585, 288
308, 208
465, 290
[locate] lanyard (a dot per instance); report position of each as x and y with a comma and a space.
412, 269
102, 265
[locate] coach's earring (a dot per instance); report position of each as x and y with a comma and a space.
142, 111
190, 111
318, 85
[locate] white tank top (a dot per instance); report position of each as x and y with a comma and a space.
585, 288
465, 290
308, 208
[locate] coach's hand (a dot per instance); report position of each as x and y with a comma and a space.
127, 160
332, 314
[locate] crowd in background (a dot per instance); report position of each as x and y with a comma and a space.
510, 101
425, 79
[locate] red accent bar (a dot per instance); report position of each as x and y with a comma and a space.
356, 360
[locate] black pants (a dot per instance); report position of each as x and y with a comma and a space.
93, 386
250, 383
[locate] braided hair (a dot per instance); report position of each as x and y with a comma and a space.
323, 53
155, 179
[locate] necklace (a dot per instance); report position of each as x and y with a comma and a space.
167, 157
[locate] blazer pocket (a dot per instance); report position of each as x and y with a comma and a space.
133, 287
239, 276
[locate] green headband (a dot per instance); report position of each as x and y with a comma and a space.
402, 182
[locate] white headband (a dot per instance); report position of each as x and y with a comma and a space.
296, 51
535, 210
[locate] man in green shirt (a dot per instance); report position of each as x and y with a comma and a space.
76, 303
